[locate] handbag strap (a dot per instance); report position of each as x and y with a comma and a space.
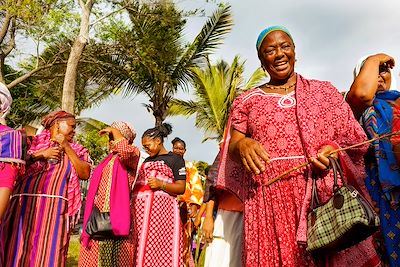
333, 162
314, 194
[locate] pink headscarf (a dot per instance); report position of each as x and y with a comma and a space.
126, 130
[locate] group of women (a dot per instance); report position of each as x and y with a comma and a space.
40, 196
279, 125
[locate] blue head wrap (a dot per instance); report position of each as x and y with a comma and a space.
266, 31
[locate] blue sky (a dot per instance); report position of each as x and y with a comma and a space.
330, 37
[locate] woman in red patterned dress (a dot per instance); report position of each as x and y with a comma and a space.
156, 220
276, 127
110, 191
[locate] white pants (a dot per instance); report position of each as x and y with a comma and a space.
226, 248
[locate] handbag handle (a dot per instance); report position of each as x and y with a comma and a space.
336, 169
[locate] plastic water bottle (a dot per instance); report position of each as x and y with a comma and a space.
53, 161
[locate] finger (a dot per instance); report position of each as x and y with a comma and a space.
252, 165
263, 154
317, 164
245, 164
323, 159
259, 160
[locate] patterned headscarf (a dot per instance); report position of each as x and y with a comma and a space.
52, 117
5, 100
126, 130
268, 30
360, 63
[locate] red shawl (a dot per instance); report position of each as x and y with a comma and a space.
336, 127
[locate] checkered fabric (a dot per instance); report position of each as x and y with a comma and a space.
329, 227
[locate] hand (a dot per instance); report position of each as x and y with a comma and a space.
384, 58
52, 153
208, 228
60, 139
106, 130
113, 133
154, 183
197, 221
253, 155
321, 162
193, 210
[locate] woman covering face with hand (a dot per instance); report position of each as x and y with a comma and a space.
274, 128
46, 201
110, 191
375, 101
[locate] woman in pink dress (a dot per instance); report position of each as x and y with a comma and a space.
156, 221
274, 128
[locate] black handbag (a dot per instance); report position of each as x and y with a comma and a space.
99, 225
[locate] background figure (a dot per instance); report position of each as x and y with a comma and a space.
274, 128
378, 108
46, 201
110, 191
12, 151
191, 199
12, 156
156, 221
224, 236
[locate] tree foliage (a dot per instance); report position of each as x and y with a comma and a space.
30, 21
216, 86
89, 137
150, 56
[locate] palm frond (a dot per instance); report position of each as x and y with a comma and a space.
210, 37
258, 76
89, 124
181, 107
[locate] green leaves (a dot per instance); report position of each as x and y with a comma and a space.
216, 87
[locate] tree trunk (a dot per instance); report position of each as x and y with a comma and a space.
71, 73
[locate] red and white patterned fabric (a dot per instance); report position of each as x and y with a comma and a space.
156, 220
275, 216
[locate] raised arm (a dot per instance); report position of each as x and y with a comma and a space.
366, 83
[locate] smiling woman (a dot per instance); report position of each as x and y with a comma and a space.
157, 225
275, 127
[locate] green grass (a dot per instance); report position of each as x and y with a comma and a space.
73, 251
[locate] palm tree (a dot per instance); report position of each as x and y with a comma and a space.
151, 58
216, 87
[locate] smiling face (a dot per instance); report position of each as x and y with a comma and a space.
384, 78
152, 146
277, 56
66, 127
178, 148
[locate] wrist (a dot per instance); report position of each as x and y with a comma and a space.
163, 185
